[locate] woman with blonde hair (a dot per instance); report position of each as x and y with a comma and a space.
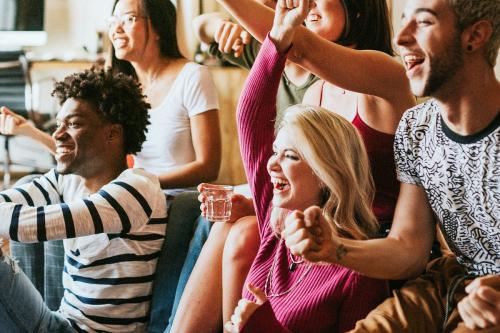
317, 167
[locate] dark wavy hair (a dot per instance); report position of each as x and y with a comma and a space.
116, 97
162, 15
367, 25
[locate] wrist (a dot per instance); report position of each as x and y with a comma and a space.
282, 38
339, 253
27, 129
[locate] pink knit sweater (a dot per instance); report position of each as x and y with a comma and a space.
322, 298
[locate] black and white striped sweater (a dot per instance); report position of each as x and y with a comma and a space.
112, 240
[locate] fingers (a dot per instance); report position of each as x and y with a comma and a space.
489, 280
298, 237
293, 222
301, 235
290, 4
477, 312
231, 38
259, 295
202, 197
224, 36
246, 38
230, 327
304, 248
242, 312
8, 122
219, 31
311, 216
490, 295
2, 122
5, 110
202, 186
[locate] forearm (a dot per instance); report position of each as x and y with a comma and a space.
255, 119
354, 70
205, 26
29, 130
387, 258
189, 175
364, 71
246, 12
44, 139
124, 205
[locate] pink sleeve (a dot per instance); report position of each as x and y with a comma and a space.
256, 116
363, 294
264, 320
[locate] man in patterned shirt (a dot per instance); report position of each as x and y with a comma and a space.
447, 152
112, 219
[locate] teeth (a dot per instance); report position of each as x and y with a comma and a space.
413, 58
119, 42
313, 17
279, 184
62, 150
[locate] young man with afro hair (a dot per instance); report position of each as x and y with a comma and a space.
112, 219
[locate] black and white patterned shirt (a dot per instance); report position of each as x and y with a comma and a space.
461, 176
112, 240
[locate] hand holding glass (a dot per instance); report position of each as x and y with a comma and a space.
217, 202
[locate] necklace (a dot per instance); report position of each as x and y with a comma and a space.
294, 263
269, 279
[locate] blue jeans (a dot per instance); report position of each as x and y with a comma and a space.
182, 216
21, 306
199, 239
43, 264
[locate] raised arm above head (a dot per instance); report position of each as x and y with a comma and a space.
361, 71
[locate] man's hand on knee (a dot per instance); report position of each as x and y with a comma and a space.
481, 307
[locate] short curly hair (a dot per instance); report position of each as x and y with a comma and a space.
117, 98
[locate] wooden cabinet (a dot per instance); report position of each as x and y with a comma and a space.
229, 82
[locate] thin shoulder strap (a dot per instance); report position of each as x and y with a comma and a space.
321, 93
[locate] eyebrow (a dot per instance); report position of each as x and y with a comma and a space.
422, 10
285, 149
133, 12
70, 116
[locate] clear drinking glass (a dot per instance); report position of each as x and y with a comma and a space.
218, 202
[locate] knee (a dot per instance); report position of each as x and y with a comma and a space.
8, 268
242, 241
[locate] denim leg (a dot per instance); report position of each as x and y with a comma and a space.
54, 266
21, 306
183, 211
43, 264
200, 236
30, 258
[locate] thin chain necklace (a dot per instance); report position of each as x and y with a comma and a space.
294, 263
269, 279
